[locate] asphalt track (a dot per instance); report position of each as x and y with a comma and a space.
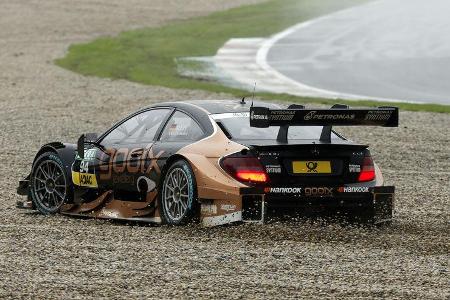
390, 49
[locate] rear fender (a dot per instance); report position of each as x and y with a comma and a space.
378, 176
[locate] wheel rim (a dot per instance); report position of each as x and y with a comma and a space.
49, 184
176, 194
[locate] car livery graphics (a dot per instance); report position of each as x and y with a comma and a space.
216, 161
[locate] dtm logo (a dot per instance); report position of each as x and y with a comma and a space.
253, 116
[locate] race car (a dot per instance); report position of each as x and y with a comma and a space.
216, 162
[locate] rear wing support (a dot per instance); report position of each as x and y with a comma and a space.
283, 132
325, 136
339, 115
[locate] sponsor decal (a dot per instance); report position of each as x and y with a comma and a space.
90, 154
178, 130
378, 115
269, 154
318, 191
272, 169
283, 190
354, 168
231, 115
314, 115
84, 179
254, 116
240, 114
228, 207
353, 189
309, 115
209, 209
110, 213
122, 179
282, 115
123, 159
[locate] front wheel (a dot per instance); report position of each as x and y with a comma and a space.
49, 185
178, 195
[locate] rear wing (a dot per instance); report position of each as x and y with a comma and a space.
341, 115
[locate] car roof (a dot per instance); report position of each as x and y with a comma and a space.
201, 109
219, 106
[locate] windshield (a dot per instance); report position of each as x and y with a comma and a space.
238, 126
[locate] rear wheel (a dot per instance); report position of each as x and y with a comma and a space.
178, 195
49, 186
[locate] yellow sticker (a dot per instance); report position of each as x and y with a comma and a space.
311, 167
84, 179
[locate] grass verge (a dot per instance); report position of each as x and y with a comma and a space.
149, 55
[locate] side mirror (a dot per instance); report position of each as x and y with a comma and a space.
80, 146
91, 137
82, 140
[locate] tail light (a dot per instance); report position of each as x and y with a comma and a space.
245, 169
367, 170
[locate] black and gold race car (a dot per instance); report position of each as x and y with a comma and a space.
215, 161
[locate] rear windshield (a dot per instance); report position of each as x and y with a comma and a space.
238, 126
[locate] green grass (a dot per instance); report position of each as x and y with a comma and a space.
149, 55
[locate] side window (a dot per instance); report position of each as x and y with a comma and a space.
181, 128
138, 129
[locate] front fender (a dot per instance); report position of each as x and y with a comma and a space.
66, 152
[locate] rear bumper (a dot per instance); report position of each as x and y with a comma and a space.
371, 204
322, 197
375, 204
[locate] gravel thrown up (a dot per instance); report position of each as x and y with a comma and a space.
62, 257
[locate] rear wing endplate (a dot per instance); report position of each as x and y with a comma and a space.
339, 115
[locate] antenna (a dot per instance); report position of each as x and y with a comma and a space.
254, 89
253, 96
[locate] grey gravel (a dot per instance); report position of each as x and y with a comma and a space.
62, 257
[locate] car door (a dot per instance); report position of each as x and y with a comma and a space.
128, 151
180, 131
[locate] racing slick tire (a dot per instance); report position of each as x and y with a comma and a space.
178, 197
50, 186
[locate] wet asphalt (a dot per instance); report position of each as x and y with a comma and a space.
389, 49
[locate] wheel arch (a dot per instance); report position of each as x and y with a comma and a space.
66, 152
194, 214
170, 161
